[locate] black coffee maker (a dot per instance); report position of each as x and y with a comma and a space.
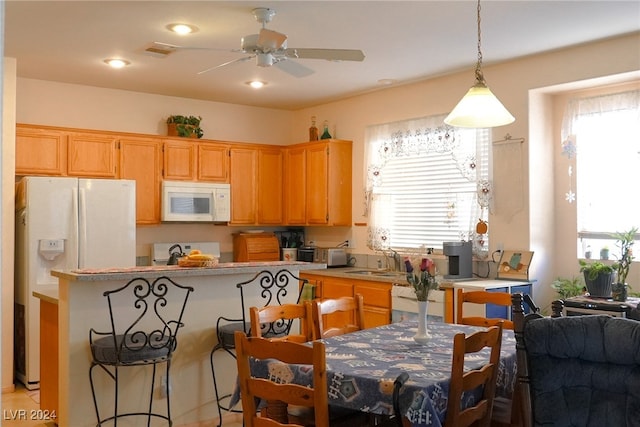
459, 259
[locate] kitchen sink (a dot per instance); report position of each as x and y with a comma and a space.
377, 273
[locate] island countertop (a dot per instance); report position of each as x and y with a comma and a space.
101, 274
82, 305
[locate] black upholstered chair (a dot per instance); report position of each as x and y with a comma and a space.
578, 371
272, 290
145, 317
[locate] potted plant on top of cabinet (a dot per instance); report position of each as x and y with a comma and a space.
184, 126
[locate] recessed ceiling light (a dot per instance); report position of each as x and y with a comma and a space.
182, 29
386, 82
116, 63
256, 84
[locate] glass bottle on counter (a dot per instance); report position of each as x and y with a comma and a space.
325, 133
313, 130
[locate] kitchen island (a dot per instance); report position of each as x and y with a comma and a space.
81, 306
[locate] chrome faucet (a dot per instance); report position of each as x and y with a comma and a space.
397, 260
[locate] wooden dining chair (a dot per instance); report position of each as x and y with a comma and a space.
482, 297
276, 321
314, 399
485, 377
353, 306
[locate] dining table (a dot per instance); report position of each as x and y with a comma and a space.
362, 367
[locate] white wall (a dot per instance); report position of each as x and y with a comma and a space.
60, 104
7, 226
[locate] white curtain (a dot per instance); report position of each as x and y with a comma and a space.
469, 149
592, 107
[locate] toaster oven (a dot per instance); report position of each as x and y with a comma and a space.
333, 257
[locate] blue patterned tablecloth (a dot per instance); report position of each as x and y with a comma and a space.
362, 366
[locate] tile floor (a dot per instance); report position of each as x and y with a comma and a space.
20, 407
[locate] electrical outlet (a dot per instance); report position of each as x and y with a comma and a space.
163, 387
500, 247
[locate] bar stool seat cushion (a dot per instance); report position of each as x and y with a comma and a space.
227, 332
133, 350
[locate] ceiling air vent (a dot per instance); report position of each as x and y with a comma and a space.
160, 50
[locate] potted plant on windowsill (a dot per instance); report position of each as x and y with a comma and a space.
184, 126
598, 277
624, 240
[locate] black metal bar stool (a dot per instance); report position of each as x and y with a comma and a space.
145, 318
272, 289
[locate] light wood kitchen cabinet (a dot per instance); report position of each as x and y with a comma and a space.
213, 162
91, 155
294, 186
179, 160
376, 296
256, 185
187, 160
323, 183
141, 160
49, 151
243, 167
269, 183
40, 151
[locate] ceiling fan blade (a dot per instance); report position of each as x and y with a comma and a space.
293, 68
270, 40
328, 54
246, 58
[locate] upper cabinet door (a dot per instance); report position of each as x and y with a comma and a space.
141, 160
317, 196
295, 191
180, 160
243, 170
40, 151
91, 155
270, 183
213, 162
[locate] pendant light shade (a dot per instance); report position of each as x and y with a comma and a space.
479, 108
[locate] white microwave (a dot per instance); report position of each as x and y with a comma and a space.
185, 201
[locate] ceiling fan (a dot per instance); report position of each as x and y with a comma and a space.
270, 48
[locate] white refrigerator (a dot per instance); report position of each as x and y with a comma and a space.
64, 224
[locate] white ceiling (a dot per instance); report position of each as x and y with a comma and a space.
406, 41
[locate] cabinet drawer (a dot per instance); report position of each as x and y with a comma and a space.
375, 316
374, 295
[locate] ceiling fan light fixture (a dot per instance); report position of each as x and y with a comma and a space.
479, 108
116, 62
182, 29
264, 59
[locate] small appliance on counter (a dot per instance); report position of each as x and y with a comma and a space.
260, 246
333, 257
459, 259
168, 253
306, 253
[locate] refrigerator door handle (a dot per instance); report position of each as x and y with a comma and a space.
81, 219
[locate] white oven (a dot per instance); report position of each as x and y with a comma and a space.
184, 201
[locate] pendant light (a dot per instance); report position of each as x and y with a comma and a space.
479, 108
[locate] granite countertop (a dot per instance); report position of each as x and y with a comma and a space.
98, 274
368, 274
